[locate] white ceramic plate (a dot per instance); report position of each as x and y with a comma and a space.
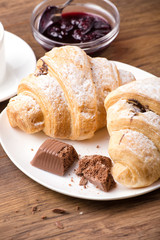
22, 147
20, 60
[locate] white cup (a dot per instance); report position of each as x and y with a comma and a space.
2, 55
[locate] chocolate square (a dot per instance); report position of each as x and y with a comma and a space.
55, 157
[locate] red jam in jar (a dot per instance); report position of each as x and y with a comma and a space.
75, 27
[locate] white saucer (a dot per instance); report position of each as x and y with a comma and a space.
20, 60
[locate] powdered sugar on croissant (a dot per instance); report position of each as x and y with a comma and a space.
67, 91
133, 121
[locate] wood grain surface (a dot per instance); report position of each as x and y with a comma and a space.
26, 208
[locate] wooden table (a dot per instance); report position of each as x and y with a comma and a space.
138, 44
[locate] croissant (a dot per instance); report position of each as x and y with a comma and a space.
133, 122
65, 95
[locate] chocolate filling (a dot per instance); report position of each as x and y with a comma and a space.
137, 104
43, 70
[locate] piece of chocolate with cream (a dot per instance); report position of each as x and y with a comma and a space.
55, 157
97, 170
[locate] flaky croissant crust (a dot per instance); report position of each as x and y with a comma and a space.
65, 95
133, 122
